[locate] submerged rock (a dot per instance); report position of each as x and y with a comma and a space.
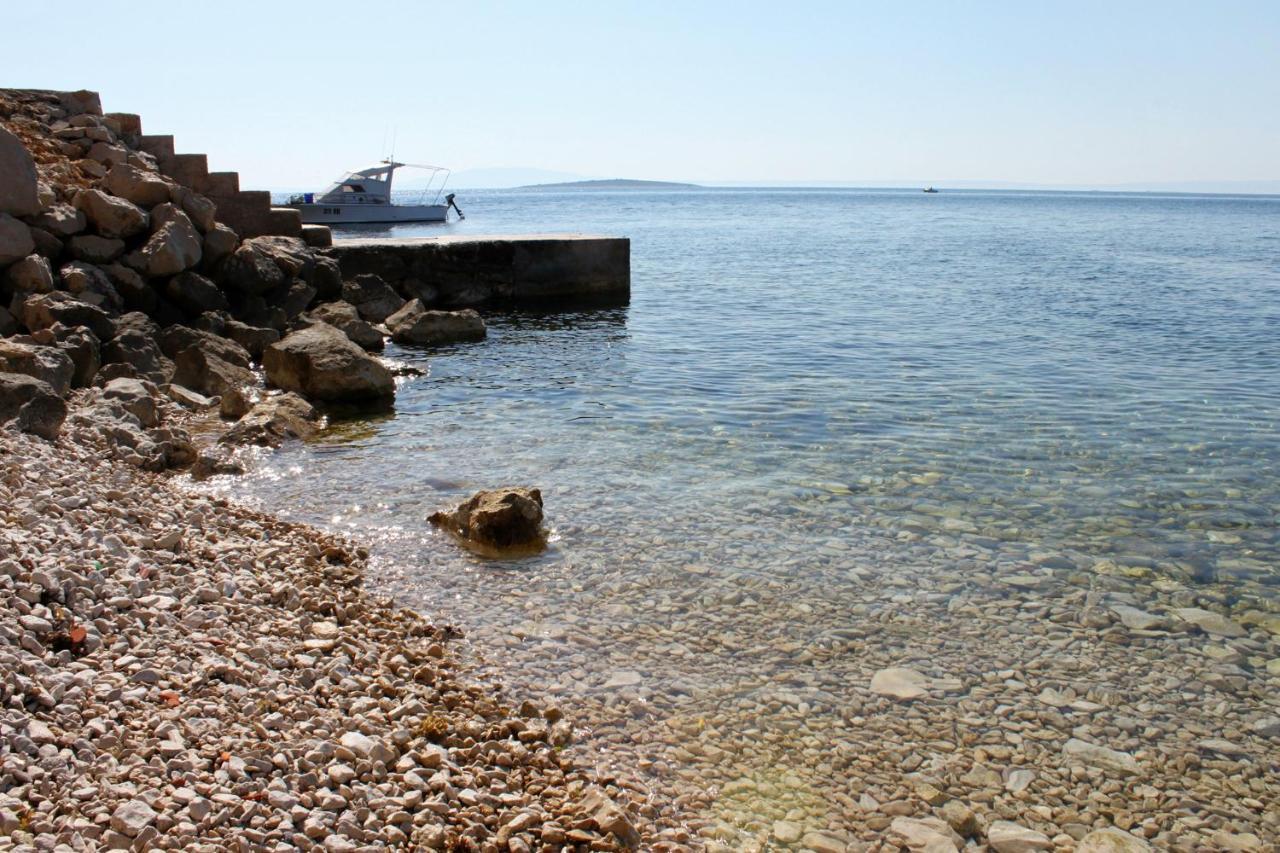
502, 518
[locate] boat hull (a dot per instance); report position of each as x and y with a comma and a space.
368, 214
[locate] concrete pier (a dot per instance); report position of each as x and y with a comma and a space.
452, 271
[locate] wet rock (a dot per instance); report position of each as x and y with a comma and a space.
29, 405
502, 518
924, 834
608, 817
274, 420
1111, 840
19, 193
414, 324
1006, 837
1138, 620
255, 339
1210, 622
321, 363
111, 216
16, 241
960, 818
374, 299
1092, 755
203, 371
176, 338
900, 683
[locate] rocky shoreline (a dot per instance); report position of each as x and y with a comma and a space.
178, 672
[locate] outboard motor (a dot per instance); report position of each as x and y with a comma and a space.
449, 202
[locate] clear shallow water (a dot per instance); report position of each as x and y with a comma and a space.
836, 431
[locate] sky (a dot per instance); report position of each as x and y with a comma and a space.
1079, 93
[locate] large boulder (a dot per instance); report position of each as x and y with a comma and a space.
273, 420
141, 187
175, 339
373, 297
322, 363
95, 249
255, 339
205, 372
141, 352
504, 518
48, 364
19, 194
219, 242
414, 324
61, 220
201, 210
137, 294
265, 263
111, 216
42, 310
137, 397
16, 241
32, 274
195, 294
90, 284
29, 405
173, 247
344, 317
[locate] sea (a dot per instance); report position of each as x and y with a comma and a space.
815, 404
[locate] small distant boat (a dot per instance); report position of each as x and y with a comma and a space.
930, 190
364, 197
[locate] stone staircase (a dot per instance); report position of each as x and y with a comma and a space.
249, 212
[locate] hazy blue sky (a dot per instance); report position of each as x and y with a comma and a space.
1075, 92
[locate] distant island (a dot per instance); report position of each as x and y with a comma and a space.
612, 184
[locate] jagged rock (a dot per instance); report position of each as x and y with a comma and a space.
214, 322
16, 241
8, 325
61, 220
213, 461
219, 242
29, 405
261, 264
48, 364
255, 339
1006, 837
146, 189
137, 396
106, 154
42, 310
111, 216
1111, 840
296, 298
47, 245
175, 339
85, 351
205, 372
137, 294
195, 294
374, 299
344, 317
608, 816
502, 518
95, 249
115, 370
327, 278
321, 363
202, 211
273, 420
32, 274
140, 351
137, 321
189, 399
414, 324
173, 247
90, 284
19, 183
131, 817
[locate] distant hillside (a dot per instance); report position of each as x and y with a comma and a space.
612, 184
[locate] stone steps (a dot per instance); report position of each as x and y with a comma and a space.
248, 212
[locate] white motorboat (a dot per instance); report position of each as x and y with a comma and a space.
364, 197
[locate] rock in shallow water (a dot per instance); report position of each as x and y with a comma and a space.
502, 518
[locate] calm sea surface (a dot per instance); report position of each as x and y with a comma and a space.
813, 389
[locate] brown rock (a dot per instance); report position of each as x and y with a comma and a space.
509, 517
111, 216
321, 363
414, 324
19, 193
